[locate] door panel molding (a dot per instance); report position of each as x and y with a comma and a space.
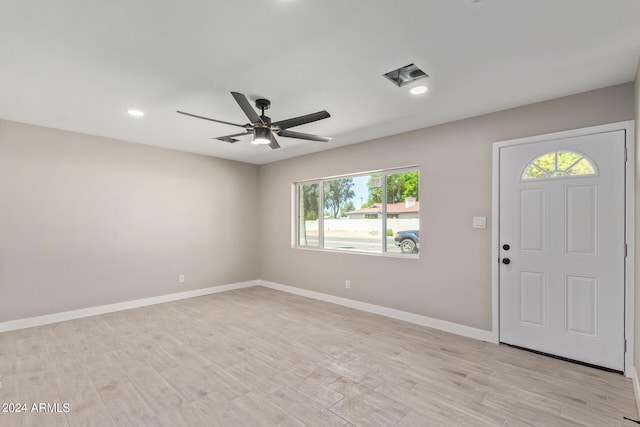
580, 323
532, 213
581, 237
532, 290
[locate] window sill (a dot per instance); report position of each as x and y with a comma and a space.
346, 251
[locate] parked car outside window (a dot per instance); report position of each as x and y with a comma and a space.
408, 241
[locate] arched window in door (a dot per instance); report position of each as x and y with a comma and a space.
559, 164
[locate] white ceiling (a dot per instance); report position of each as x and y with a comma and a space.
79, 64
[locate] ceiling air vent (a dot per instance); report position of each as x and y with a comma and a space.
227, 139
405, 75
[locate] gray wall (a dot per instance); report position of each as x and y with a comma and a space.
452, 279
637, 223
87, 221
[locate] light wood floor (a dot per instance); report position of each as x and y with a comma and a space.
258, 357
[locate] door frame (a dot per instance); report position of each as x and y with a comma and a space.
629, 264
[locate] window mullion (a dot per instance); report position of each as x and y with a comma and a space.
384, 213
321, 214
299, 215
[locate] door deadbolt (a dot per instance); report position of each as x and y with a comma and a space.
506, 247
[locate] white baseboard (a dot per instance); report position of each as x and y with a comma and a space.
636, 387
442, 325
29, 322
418, 319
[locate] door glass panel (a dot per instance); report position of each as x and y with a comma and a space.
533, 171
566, 159
582, 167
558, 164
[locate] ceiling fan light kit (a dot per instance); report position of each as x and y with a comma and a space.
261, 136
262, 128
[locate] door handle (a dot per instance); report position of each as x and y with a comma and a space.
506, 261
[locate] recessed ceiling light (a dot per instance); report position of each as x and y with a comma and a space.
135, 113
418, 90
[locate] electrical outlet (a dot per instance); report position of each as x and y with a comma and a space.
181, 278
347, 284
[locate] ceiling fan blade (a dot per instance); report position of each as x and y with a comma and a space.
211, 120
230, 138
274, 142
247, 108
297, 121
300, 135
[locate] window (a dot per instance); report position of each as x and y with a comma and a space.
371, 213
308, 202
557, 164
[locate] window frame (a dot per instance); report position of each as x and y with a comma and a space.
296, 191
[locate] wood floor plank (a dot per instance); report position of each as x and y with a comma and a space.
8, 356
259, 357
216, 410
360, 413
318, 392
125, 404
305, 408
36, 388
264, 411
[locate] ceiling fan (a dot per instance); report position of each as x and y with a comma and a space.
262, 128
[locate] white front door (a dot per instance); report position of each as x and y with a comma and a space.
562, 247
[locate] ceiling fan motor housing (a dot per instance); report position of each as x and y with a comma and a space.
263, 104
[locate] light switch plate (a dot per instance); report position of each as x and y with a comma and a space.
479, 222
